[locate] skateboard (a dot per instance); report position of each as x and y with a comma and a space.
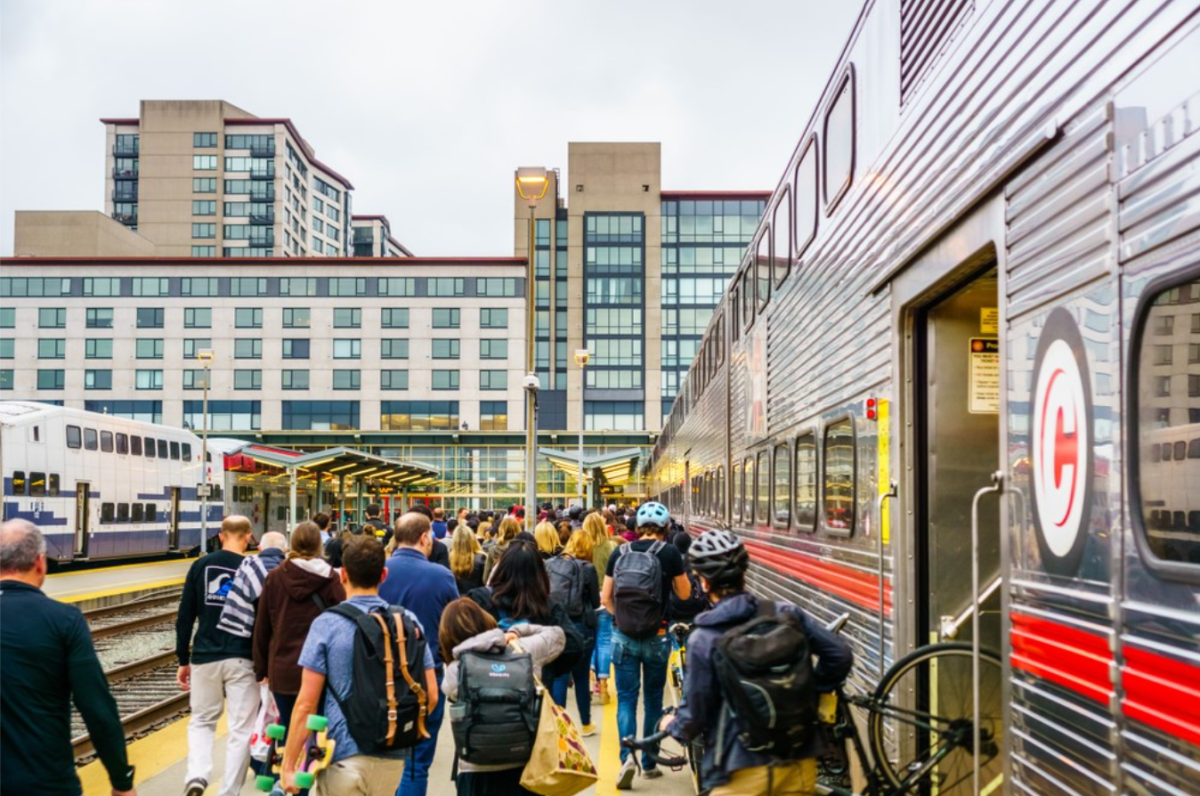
318, 751
266, 781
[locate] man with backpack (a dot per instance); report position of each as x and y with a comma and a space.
346, 680
751, 688
638, 582
375, 525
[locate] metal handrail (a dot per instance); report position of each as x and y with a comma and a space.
952, 624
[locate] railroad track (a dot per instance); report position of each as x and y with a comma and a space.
142, 613
146, 693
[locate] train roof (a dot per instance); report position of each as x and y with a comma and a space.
18, 413
23, 413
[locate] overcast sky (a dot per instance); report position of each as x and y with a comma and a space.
427, 107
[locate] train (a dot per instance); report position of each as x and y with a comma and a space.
953, 389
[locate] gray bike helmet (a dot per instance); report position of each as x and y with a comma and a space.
718, 556
653, 514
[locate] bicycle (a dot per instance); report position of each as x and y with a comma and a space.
922, 703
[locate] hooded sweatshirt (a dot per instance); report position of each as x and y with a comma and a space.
286, 610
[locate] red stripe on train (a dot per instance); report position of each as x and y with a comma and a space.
1162, 692
1071, 657
860, 588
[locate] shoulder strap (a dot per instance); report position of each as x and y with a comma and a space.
316, 598
766, 609
388, 670
413, 685
654, 548
346, 610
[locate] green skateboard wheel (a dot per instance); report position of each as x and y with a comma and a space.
264, 782
304, 779
317, 723
276, 732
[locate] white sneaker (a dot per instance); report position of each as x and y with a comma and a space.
627, 773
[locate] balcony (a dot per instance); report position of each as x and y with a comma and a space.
262, 241
263, 192
262, 174
128, 219
262, 220
125, 174
262, 151
126, 150
125, 192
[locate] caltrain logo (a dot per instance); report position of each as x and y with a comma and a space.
1061, 444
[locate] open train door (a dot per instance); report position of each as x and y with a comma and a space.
173, 523
83, 510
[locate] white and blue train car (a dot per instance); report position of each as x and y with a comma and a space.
104, 487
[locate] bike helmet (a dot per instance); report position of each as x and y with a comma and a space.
718, 556
655, 514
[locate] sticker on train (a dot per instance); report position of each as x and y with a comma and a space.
1061, 444
985, 376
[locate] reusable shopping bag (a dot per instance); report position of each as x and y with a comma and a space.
560, 764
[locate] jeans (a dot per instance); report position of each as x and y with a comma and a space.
580, 674
226, 686
416, 774
640, 663
602, 656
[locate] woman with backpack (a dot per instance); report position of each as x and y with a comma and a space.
466, 559
603, 545
467, 631
573, 580
508, 530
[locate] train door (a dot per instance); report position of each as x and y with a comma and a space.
173, 526
266, 512
82, 518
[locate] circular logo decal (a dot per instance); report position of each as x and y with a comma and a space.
1061, 444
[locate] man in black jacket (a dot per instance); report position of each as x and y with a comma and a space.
216, 666
47, 658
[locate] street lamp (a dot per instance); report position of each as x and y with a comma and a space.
205, 355
582, 355
532, 184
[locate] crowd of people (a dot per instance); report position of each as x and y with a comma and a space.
587, 596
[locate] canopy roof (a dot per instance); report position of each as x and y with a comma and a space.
345, 462
616, 467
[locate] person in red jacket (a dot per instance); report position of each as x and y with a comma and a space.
295, 594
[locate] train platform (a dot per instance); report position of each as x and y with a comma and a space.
161, 761
90, 588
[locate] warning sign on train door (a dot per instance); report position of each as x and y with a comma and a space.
1061, 444
985, 376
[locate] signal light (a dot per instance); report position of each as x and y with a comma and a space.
872, 409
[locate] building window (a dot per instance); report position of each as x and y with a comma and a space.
197, 318
347, 349
150, 318
493, 379
347, 379
347, 286
347, 318
418, 415
52, 318
247, 379
445, 379
194, 379
446, 317
204, 184
200, 286
398, 287
98, 348
248, 286
493, 318
148, 379
97, 379
395, 318
394, 348
295, 380
102, 286
445, 286
493, 349
204, 230
204, 251
295, 287
445, 349
224, 415
295, 349
614, 415
250, 348
99, 318
393, 379
204, 140
149, 349
8, 348
493, 416
320, 415
248, 317
204, 162
204, 207
8, 317
6, 379
33, 287
151, 286
52, 349
297, 317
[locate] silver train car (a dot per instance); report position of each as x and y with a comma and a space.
954, 386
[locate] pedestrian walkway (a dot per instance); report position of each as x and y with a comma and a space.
161, 760
90, 584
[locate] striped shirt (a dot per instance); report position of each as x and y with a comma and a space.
237, 616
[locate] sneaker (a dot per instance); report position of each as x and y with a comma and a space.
652, 773
195, 787
587, 730
625, 776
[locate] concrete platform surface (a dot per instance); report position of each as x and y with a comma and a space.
90, 584
161, 761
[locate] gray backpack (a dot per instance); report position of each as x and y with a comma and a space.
566, 583
496, 716
637, 590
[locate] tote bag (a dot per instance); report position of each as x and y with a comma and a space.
560, 764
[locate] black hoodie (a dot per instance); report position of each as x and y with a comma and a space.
204, 592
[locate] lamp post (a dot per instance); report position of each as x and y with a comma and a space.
582, 355
205, 355
532, 184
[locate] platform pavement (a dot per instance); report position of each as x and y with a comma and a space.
90, 584
161, 760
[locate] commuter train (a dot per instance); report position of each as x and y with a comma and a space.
954, 386
104, 487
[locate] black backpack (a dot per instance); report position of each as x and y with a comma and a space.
566, 582
765, 672
496, 716
638, 590
385, 711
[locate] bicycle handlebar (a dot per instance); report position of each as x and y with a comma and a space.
648, 743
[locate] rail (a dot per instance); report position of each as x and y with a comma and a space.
140, 706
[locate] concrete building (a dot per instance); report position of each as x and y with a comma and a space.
373, 238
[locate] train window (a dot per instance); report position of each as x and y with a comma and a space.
1166, 493
747, 298
806, 482
18, 482
122, 512
37, 433
106, 441
135, 445
782, 499
151, 512
217, 494
839, 142
720, 491
762, 269
807, 200
762, 481
122, 443
138, 513
186, 451
54, 485
37, 484
175, 450
839, 477
106, 512
748, 492
91, 441
150, 447
781, 246
74, 437
739, 488
162, 449
735, 309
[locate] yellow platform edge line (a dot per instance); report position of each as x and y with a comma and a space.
609, 764
139, 565
151, 755
68, 597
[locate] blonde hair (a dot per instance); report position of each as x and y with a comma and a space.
483, 529
547, 537
580, 546
509, 528
463, 547
594, 527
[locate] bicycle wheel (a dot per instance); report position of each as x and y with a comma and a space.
925, 698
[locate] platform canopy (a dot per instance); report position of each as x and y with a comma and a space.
343, 462
615, 468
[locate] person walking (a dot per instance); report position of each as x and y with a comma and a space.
573, 580
49, 662
466, 560
216, 667
376, 525
327, 683
241, 605
439, 523
425, 589
603, 546
639, 580
294, 595
547, 539
508, 530
728, 767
